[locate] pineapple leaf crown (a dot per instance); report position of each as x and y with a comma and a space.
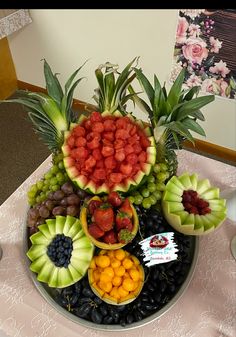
50, 113
173, 115
111, 93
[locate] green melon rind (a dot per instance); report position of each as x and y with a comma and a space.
79, 235
216, 219
102, 189
60, 222
66, 134
80, 181
81, 119
52, 281
176, 181
64, 278
46, 271
203, 185
185, 181
220, 202
68, 162
75, 228
194, 180
45, 231
168, 196
175, 220
70, 220
147, 131
211, 193
38, 239
91, 187
173, 188
51, 226
84, 242
38, 263
151, 155
75, 274
72, 126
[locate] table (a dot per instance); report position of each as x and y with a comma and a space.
207, 308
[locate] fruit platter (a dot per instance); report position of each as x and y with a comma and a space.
111, 233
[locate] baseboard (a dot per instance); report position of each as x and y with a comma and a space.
203, 147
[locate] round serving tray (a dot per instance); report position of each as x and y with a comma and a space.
49, 294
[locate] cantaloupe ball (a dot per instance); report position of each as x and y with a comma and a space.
105, 286
116, 281
115, 293
119, 271
109, 271
105, 277
119, 254
127, 263
110, 253
96, 275
115, 263
128, 284
122, 292
102, 261
134, 274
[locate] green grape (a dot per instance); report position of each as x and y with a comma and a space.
160, 186
38, 199
61, 165
53, 181
55, 188
48, 175
54, 169
31, 194
31, 201
162, 176
157, 195
151, 187
152, 199
145, 192
131, 199
146, 203
163, 167
34, 188
138, 199
45, 188
60, 177
156, 168
40, 184
151, 179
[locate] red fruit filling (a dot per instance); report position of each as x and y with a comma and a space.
115, 145
193, 204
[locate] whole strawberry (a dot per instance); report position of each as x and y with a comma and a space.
114, 199
104, 217
126, 208
123, 222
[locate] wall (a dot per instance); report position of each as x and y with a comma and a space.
66, 38
8, 82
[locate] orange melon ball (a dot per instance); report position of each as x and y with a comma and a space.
109, 271
120, 254
119, 271
115, 263
96, 275
122, 292
115, 293
105, 277
92, 264
110, 253
134, 274
128, 284
105, 286
116, 281
127, 263
102, 261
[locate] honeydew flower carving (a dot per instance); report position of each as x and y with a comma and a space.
195, 49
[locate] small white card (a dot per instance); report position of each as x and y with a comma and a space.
159, 248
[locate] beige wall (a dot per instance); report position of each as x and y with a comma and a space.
66, 38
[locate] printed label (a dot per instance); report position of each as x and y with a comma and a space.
159, 248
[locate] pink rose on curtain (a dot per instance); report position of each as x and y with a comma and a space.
223, 86
210, 85
181, 30
195, 50
216, 44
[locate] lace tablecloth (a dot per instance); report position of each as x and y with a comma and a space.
207, 308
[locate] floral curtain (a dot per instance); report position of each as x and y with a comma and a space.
12, 20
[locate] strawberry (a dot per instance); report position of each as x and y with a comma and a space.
110, 237
126, 208
95, 231
114, 199
104, 217
123, 222
94, 204
125, 236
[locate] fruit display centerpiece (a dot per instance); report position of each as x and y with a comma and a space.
113, 184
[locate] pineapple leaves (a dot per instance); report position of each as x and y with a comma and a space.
191, 124
52, 84
146, 85
72, 77
189, 107
180, 129
175, 91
